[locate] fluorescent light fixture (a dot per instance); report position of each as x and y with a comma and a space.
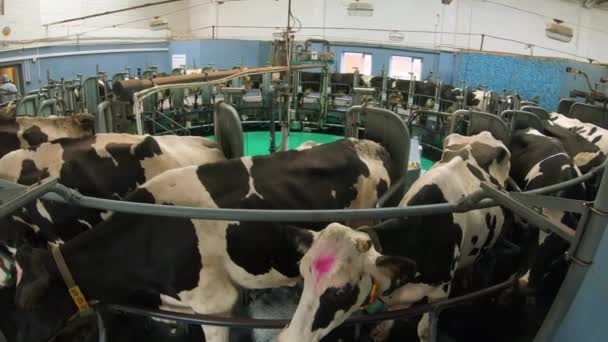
396, 36
159, 24
556, 30
360, 9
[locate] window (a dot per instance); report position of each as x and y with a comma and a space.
354, 60
402, 66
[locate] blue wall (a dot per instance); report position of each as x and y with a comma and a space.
223, 54
69, 67
529, 76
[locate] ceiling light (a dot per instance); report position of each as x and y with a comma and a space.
360, 9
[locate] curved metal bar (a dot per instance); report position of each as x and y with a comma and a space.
254, 323
476, 200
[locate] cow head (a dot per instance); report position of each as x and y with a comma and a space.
584, 153
339, 270
481, 151
43, 303
13, 233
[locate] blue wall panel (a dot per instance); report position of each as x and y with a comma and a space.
530, 77
223, 54
69, 67
446, 66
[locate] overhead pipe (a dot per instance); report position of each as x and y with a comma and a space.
126, 88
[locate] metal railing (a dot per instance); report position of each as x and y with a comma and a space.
476, 200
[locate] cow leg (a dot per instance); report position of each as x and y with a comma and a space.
423, 328
440, 293
215, 295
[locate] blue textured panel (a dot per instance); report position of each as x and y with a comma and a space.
529, 77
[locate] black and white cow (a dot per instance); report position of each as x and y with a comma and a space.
340, 267
22, 131
583, 152
538, 161
104, 165
596, 135
198, 265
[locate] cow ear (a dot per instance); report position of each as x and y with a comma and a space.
33, 277
392, 272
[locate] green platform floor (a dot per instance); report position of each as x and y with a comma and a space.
257, 143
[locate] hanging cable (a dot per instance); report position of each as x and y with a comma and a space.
543, 15
140, 20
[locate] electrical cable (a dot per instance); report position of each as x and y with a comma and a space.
543, 15
140, 20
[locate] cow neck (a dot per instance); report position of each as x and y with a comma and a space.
73, 289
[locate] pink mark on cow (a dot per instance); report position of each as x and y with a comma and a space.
322, 265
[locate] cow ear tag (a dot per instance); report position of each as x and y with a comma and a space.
79, 300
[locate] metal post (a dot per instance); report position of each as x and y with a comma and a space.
410, 97
273, 143
384, 95
433, 324
483, 39
351, 129
324, 96
285, 120
437, 95
580, 262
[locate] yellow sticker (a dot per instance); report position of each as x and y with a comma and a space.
79, 299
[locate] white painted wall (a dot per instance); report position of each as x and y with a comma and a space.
190, 19
27, 19
463, 16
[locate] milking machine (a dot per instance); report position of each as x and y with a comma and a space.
94, 91
595, 108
